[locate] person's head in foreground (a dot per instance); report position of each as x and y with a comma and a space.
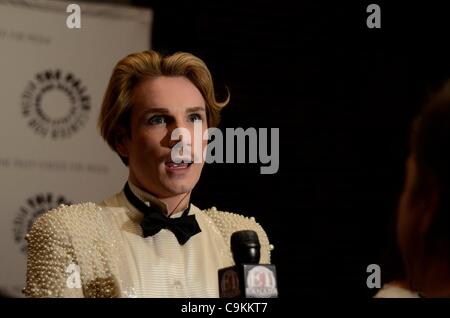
423, 225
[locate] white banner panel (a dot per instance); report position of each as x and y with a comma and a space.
52, 82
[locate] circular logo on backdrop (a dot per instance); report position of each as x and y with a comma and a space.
55, 104
33, 207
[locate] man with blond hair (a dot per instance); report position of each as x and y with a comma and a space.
148, 240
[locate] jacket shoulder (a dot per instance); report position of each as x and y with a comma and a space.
228, 223
50, 252
66, 217
66, 238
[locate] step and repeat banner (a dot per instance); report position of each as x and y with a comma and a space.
54, 69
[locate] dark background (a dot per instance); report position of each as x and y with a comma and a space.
343, 97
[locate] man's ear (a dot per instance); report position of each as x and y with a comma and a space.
122, 142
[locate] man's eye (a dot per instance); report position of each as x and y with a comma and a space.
195, 117
156, 120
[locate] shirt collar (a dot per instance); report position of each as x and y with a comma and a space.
150, 199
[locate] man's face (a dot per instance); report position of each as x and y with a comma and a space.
160, 105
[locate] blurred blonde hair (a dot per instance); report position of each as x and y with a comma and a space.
133, 69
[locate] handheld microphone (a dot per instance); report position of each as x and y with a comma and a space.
247, 278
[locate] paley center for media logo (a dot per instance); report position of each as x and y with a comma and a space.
55, 104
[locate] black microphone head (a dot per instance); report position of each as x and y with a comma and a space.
245, 247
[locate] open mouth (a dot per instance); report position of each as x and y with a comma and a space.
184, 164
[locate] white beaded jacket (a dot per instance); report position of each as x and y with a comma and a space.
98, 250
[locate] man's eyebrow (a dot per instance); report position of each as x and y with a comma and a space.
155, 110
162, 110
195, 109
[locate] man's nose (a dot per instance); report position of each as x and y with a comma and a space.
178, 132
173, 142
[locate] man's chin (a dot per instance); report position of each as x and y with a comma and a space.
178, 184
177, 188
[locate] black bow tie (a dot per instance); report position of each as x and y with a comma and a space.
154, 220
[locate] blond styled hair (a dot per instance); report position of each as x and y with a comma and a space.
136, 67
